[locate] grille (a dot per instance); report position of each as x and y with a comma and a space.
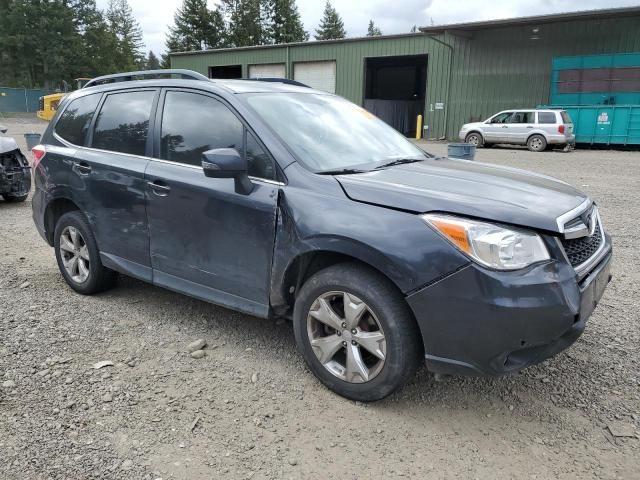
579, 250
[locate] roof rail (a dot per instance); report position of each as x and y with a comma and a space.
145, 74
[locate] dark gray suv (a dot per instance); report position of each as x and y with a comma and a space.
278, 200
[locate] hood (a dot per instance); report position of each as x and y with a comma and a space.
7, 144
467, 126
469, 188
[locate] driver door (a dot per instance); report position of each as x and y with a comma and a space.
496, 129
206, 240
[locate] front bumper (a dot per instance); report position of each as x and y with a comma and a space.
482, 322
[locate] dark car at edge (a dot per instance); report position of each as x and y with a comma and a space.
282, 201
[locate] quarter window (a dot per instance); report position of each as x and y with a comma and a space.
74, 121
546, 117
194, 123
123, 122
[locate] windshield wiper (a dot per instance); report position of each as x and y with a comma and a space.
399, 161
341, 171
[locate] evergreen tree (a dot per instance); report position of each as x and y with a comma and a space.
152, 62
331, 26
244, 22
94, 55
196, 27
121, 22
283, 22
373, 31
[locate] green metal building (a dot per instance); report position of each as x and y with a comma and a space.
452, 74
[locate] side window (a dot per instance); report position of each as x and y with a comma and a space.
74, 121
123, 122
546, 117
522, 117
260, 164
194, 123
501, 118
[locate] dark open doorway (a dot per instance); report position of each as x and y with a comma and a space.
395, 90
226, 71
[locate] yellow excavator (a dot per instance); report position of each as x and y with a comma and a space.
49, 103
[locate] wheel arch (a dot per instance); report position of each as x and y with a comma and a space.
54, 210
304, 265
479, 132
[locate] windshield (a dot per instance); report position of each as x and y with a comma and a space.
328, 133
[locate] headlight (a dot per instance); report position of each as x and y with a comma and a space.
491, 245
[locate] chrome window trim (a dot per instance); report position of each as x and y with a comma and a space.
170, 162
255, 179
92, 149
571, 214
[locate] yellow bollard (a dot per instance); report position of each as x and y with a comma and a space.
419, 127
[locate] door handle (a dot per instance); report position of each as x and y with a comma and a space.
529, 126
83, 168
505, 126
159, 189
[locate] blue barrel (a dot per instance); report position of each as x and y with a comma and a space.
464, 151
32, 140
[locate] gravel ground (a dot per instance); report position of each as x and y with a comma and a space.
250, 408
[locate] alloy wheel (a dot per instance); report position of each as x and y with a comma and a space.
75, 254
346, 337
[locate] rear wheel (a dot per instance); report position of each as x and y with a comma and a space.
474, 138
537, 143
356, 332
78, 256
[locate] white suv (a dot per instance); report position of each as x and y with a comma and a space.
536, 129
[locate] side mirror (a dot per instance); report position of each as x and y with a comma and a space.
3, 129
228, 163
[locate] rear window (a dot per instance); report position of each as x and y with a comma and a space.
546, 117
565, 117
123, 122
74, 121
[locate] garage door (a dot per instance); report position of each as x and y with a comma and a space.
267, 70
318, 75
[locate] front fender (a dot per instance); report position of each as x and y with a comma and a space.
396, 243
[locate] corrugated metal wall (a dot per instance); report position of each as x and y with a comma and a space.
492, 69
20, 99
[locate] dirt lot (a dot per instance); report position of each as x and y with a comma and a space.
250, 408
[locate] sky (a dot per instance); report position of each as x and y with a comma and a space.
392, 16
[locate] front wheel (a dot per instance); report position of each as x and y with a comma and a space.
356, 332
10, 198
474, 138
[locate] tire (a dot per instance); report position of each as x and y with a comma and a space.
98, 277
400, 350
474, 138
537, 143
9, 198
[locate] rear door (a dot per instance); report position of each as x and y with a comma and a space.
206, 239
106, 171
519, 126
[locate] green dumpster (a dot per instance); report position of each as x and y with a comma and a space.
605, 124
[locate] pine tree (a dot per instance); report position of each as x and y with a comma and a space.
331, 26
373, 31
283, 22
244, 22
152, 62
196, 27
122, 23
95, 51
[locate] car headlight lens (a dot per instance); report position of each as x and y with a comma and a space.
491, 245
